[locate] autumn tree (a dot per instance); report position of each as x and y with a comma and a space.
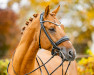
8, 30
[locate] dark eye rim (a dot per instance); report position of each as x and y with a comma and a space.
52, 29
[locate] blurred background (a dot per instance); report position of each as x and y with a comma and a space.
77, 17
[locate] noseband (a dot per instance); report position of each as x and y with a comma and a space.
55, 46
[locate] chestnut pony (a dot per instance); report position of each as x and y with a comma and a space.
24, 59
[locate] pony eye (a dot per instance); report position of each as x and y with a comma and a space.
51, 29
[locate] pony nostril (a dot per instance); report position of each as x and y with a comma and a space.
70, 54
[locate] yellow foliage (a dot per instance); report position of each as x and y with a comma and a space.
90, 14
44, 3
86, 65
89, 52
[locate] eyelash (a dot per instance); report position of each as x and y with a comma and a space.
52, 29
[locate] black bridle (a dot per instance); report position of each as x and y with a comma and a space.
55, 46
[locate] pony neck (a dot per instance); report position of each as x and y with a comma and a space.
25, 54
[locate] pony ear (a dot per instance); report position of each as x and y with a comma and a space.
56, 10
47, 10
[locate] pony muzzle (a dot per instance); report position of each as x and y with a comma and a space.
68, 55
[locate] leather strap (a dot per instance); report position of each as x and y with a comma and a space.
55, 45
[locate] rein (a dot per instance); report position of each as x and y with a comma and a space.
43, 64
55, 46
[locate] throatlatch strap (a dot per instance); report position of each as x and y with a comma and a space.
39, 38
